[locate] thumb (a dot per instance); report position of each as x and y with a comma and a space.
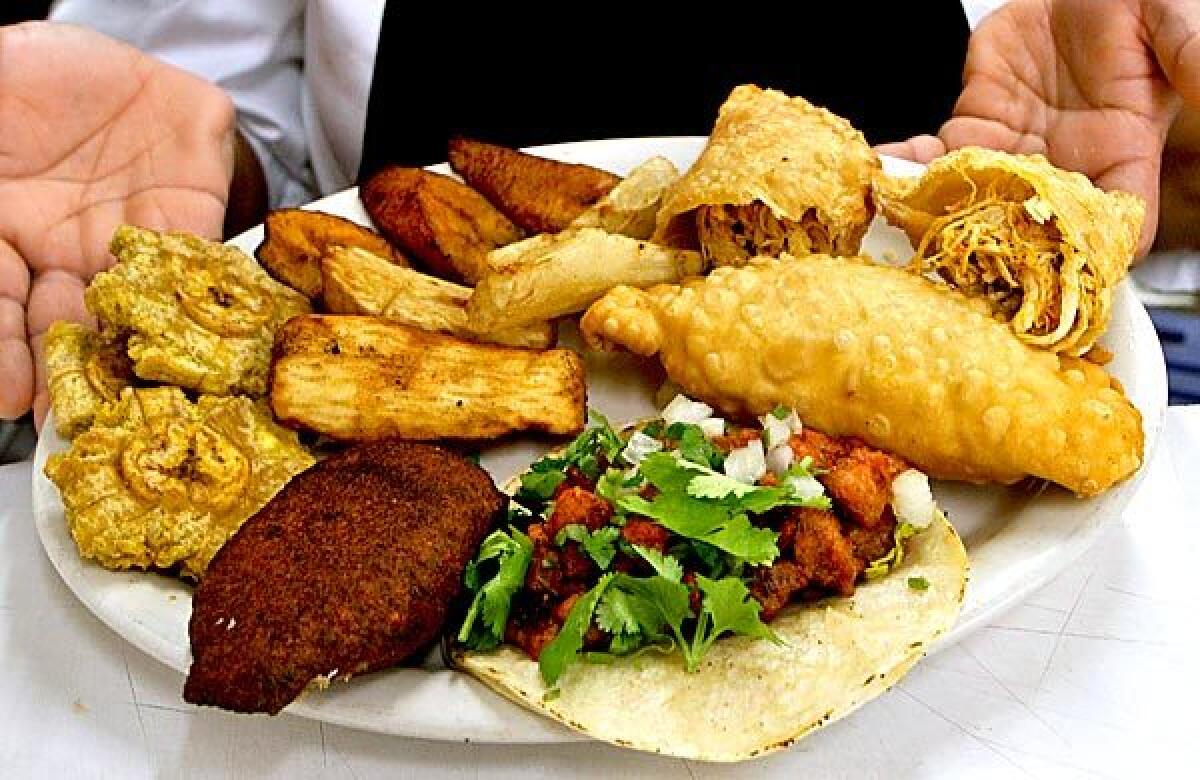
16, 360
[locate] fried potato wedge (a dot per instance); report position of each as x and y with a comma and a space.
540, 195
361, 378
296, 239
359, 282
443, 223
550, 276
631, 207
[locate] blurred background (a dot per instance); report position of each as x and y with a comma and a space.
1168, 280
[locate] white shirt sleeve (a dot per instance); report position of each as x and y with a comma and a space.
253, 50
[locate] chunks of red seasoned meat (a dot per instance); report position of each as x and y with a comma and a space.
735, 439
824, 450
825, 557
860, 484
646, 533
531, 637
577, 505
773, 586
871, 544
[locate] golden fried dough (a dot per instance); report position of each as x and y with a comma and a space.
362, 378
159, 481
1045, 247
866, 350
358, 282
540, 195
200, 314
84, 371
296, 239
442, 222
778, 175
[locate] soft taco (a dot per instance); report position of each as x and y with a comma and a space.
706, 590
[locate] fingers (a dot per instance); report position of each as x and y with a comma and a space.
16, 362
920, 148
990, 133
1174, 32
54, 296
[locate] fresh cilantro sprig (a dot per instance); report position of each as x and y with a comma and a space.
694, 446
600, 545
510, 553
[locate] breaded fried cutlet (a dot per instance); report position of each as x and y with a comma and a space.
350, 569
200, 315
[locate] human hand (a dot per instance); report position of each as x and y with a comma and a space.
1091, 84
93, 133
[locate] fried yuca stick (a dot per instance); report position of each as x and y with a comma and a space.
550, 276
630, 208
359, 282
358, 378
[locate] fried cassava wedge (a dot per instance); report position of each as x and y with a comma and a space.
540, 195
359, 282
443, 223
358, 378
296, 239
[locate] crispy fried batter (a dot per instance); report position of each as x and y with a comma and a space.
159, 481
201, 315
444, 223
296, 240
84, 371
351, 568
355, 378
540, 195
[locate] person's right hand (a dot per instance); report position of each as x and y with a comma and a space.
93, 133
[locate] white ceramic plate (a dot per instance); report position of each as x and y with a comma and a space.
1017, 540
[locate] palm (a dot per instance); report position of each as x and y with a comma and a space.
92, 134
1068, 80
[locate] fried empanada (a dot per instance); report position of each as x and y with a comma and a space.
159, 482
200, 315
1045, 247
866, 350
84, 371
539, 194
778, 175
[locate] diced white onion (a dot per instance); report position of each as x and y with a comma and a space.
639, 446
780, 459
776, 432
793, 421
713, 427
747, 464
806, 487
912, 500
685, 410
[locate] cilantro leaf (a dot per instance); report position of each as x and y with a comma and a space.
918, 583
542, 484
718, 486
617, 614
745, 541
598, 441
727, 607
780, 412
564, 649
664, 565
512, 552
694, 446
600, 545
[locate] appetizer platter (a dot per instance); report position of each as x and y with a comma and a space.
706, 381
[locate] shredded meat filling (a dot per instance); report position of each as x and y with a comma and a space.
731, 235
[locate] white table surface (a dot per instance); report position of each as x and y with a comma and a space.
1092, 676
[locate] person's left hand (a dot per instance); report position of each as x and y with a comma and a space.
1091, 84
